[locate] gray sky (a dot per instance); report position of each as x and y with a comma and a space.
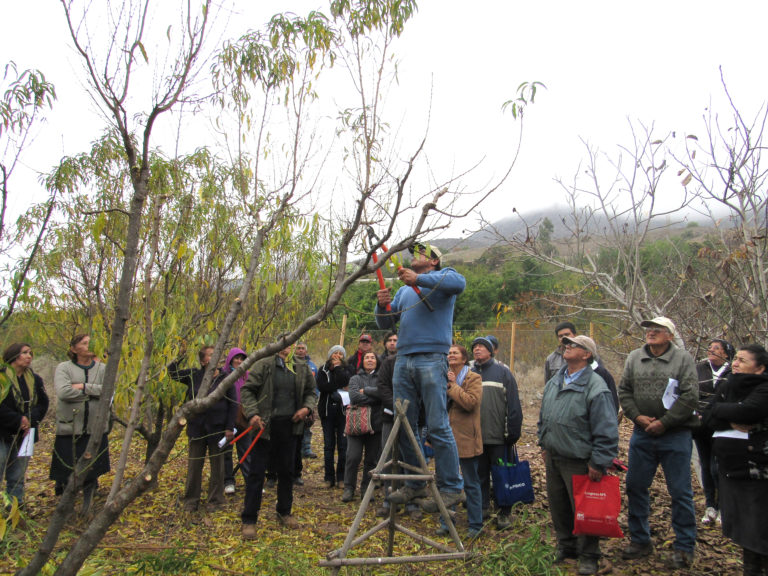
602, 62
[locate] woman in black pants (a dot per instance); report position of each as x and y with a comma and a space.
332, 378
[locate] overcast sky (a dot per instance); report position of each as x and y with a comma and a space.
603, 62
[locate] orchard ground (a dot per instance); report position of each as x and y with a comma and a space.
154, 536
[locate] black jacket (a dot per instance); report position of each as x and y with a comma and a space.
11, 412
372, 396
742, 399
220, 416
386, 371
329, 382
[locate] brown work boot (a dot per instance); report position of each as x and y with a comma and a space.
289, 521
249, 531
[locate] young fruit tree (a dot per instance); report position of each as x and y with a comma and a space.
153, 252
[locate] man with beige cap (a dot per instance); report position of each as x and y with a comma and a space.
659, 393
578, 434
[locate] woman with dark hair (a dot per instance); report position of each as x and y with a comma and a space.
738, 413
332, 377
77, 384
711, 372
23, 403
363, 391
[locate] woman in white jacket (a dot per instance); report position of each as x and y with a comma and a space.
77, 384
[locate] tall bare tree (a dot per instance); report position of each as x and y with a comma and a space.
625, 236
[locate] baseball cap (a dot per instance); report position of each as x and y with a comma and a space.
584, 341
662, 321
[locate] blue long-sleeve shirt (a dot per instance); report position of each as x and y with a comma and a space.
422, 331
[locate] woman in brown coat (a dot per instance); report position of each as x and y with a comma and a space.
465, 393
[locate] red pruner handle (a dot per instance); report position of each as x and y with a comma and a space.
243, 433
240, 463
423, 298
380, 276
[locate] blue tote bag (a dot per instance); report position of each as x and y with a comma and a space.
512, 480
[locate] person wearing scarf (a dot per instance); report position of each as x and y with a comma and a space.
738, 413
23, 404
465, 396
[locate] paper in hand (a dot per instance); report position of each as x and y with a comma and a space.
27, 447
670, 394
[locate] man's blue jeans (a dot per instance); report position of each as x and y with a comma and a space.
13, 469
673, 451
423, 378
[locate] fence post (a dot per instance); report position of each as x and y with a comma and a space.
512, 347
343, 330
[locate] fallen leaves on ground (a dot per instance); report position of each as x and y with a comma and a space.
154, 536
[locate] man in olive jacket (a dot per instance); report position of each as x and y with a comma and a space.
278, 396
659, 392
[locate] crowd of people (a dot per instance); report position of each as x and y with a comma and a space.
466, 413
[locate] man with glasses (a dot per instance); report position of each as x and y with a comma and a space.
578, 434
556, 361
659, 393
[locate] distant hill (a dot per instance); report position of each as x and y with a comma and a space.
472, 246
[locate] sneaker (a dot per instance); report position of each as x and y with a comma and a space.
473, 533
249, 531
229, 489
503, 521
311, 455
635, 550
347, 495
406, 494
288, 521
682, 559
587, 565
442, 531
710, 515
298, 481
449, 499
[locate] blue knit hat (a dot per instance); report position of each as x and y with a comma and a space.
483, 341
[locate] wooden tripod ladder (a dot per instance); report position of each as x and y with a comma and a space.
389, 459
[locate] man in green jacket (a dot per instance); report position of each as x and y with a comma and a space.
277, 396
578, 434
659, 392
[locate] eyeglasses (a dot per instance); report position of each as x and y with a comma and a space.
569, 345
